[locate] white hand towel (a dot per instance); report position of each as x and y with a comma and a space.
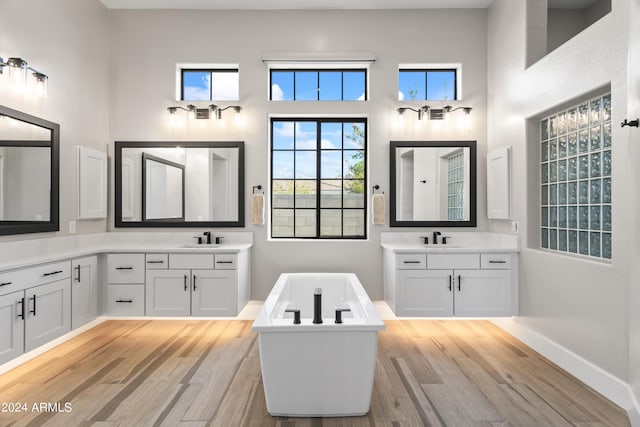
377, 203
257, 209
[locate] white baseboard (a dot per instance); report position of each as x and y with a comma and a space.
48, 346
610, 386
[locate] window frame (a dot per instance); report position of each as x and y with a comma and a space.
318, 69
211, 68
319, 120
426, 68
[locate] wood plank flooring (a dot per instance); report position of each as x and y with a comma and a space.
193, 373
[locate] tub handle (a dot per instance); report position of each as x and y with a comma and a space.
296, 315
339, 314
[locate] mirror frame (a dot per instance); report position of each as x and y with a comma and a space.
53, 224
471, 222
119, 145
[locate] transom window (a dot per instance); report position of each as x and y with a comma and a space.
209, 84
318, 85
427, 84
575, 184
318, 178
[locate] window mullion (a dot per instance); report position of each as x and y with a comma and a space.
318, 173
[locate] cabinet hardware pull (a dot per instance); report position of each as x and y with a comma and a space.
124, 268
185, 282
153, 261
5, 283
194, 282
492, 261
52, 273
124, 300
412, 262
449, 283
34, 305
224, 262
21, 314
459, 282
78, 268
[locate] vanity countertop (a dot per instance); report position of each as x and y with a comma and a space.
460, 242
31, 252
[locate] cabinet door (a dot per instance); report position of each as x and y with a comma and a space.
11, 325
168, 292
48, 313
424, 293
483, 293
214, 293
84, 296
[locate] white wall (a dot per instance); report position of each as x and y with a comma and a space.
578, 303
146, 45
68, 41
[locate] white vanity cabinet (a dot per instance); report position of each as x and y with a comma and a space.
84, 290
125, 284
195, 284
35, 307
450, 284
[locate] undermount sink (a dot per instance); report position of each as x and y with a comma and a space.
200, 245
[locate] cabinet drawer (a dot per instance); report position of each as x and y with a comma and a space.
125, 268
32, 276
495, 261
411, 261
157, 261
225, 261
125, 300
201, 261
453, 261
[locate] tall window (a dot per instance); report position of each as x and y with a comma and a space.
575, 184
455, 187
318, 178
209, 84
427, 84
318, 85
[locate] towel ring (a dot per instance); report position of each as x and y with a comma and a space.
376, 187
256, 187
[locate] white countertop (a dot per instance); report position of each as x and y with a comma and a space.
458, 242
39, 251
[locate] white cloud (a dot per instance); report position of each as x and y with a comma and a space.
400, 95
225, 87
276, 93
196, 93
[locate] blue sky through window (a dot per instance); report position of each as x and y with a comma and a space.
318, 85
426, 85
210, 85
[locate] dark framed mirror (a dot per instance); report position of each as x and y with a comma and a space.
179, 184
29, 173
433, 183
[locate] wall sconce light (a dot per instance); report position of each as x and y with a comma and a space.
18, 70
211, 112
434, 113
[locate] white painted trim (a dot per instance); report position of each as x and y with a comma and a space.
610, 386
14, 363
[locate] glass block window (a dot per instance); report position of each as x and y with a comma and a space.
427, 84
575, 179
318, 178
318, 85
209, 84
455, 187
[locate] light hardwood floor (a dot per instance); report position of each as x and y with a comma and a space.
207, 373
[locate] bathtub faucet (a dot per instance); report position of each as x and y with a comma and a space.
296, 315
317, 306
339, 314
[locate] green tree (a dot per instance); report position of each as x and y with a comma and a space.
356, 170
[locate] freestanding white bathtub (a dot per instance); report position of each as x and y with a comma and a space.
318, 370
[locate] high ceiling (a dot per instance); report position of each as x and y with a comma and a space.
321, 4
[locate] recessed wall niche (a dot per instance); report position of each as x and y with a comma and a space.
566, 18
